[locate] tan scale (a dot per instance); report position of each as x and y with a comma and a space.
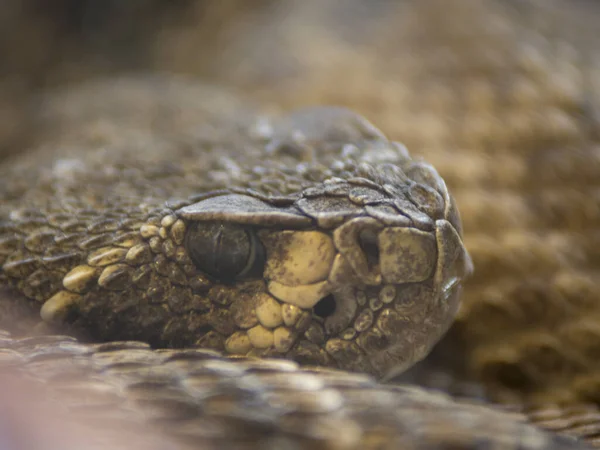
147, 231
168, 221
163, 233
387, 294
307, 258
80, 278
138, 254
238, 343
127, 242
303, 296
339, 269
106, 256
177, 231
260, 337
407, 255
268, 311
290, 314
108, 277
56, 307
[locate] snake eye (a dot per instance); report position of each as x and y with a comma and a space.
225, 251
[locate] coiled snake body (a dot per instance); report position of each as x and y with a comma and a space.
191, 224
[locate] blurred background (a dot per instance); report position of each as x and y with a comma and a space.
503, 97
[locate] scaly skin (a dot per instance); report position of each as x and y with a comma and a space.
308, 236
503, 98
521, 82
131, 396
89, 242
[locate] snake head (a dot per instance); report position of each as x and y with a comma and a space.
313, 237
360, 270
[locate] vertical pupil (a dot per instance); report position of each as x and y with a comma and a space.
218, 249
232, 249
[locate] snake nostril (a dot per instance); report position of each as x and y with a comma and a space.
325, 307
368, 243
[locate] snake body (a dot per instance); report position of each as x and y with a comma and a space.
97, 219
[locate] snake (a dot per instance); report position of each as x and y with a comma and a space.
187, 243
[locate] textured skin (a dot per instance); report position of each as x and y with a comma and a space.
48, 254
535, 95
124, 252
196, 399
503, 99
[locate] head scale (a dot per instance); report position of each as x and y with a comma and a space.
360, 269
